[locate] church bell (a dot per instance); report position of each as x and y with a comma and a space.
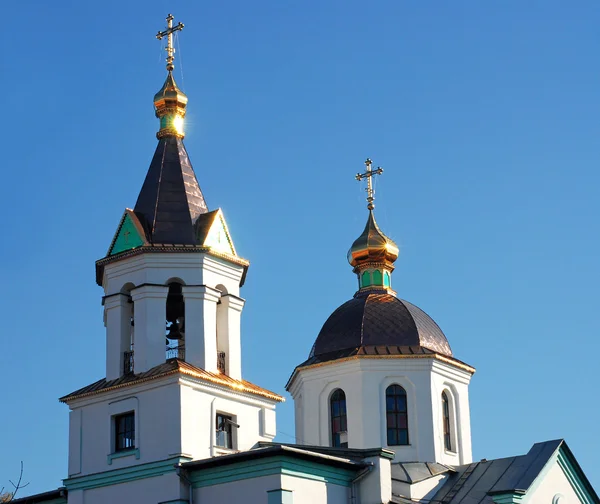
176, 330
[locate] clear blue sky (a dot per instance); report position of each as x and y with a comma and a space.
485, 116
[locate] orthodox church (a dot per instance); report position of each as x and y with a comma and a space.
381, 403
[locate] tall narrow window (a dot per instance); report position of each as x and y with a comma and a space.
446, 414
339, 436
396, 415
175, 324
125, 431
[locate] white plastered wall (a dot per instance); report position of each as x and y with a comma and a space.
200, 402
364, 382
255, 490
146, 277
552, 487
174, 416
163, 488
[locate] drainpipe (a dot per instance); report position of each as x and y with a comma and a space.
183, 476
213, 427
353, 484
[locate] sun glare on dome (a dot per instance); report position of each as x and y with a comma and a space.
178, 124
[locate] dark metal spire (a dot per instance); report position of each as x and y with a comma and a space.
171, 200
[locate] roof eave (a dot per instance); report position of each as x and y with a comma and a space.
443, 358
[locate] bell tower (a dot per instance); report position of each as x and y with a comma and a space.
171, 277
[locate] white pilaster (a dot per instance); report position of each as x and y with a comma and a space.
201, 326
230, 324
117, 310
150, 315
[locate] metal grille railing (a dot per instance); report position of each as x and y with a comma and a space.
128, 362
221, 362
176, 352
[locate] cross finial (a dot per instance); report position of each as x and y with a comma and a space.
169, 34
369, 176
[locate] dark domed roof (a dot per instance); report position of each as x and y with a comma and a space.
378, 323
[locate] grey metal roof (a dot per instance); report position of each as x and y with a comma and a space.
476, 483
414, 472
171, 200
53, 496
273, 450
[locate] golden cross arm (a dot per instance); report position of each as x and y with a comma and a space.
369, 175
169, 34
179, 26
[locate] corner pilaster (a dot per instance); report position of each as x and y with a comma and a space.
231, 320
201, 326
150, 314
117, 313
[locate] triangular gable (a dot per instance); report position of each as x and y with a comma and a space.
217, 235
549, 468
129, 235
583, 488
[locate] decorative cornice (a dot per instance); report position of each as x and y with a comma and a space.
434, 356
236, 385
169, 132
160, 247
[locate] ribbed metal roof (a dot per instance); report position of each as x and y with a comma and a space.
171, 200
378, 319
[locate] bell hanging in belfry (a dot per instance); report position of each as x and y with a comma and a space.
176, 329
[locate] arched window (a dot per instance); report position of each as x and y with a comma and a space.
175, 324
386, 279
339, 437
377, 278
396, 415
366, 279
222, 332
446, 420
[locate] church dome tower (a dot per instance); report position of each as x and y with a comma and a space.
381, 371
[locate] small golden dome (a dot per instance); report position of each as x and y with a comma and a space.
170, 106
372, 246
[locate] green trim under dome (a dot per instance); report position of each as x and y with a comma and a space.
375, 278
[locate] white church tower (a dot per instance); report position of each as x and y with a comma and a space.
381, 371
173, 389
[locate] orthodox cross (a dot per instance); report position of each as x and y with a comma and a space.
369, 176
169, 34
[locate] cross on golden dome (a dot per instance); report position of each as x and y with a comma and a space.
169, 34
369, 176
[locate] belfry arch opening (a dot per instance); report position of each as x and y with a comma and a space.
175, 322
128, 325
222, 331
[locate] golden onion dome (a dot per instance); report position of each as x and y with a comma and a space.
170, 106
372, 246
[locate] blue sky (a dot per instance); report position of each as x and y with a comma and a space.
484, 115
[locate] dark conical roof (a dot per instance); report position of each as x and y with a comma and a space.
171, 200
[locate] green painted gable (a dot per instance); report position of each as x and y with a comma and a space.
128, 237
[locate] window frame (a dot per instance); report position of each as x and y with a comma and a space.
124, 428
449, 422
394, 433
338, 396
228, 421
